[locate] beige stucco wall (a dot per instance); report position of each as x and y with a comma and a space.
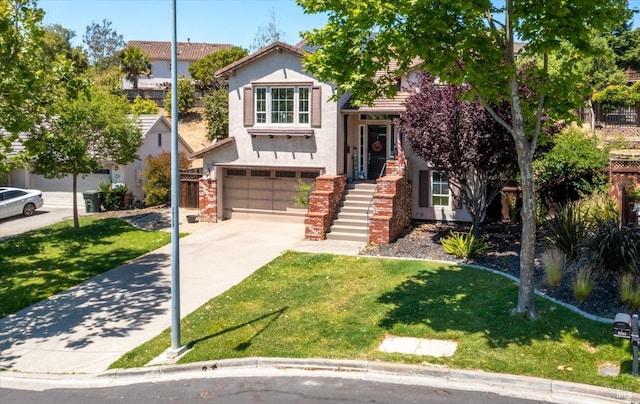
162, 68
322, 150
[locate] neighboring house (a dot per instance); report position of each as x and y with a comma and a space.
160, 59
156, 132
283, 127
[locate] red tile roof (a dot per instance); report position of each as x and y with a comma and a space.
158, 50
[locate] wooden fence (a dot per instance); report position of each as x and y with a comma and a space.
190, 188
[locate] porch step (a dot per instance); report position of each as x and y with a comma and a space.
351, 221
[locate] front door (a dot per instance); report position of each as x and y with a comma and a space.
377, 148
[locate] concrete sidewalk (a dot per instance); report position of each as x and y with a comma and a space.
88, 327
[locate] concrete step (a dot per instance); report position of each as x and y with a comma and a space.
347, 237
350, 223
360, 216
348, 228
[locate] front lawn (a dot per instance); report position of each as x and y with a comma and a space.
43, 262
325, 306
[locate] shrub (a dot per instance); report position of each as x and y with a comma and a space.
598, 208
216, 113
629, 292
615, 249
186, 97
566, 229
301, 197
113, 196
157, 173
583, 284
142, 106
554, 261
464, 245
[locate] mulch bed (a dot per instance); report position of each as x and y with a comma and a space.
422, 241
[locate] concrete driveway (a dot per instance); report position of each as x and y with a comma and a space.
86, 328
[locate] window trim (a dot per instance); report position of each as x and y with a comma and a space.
264, 116
249, 104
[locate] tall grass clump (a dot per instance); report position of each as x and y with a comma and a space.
464, 245
615, 249
629, 292
553, 261
583, 284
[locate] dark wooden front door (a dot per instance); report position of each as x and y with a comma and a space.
377, 149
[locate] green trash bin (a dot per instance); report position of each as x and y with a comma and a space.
92, 201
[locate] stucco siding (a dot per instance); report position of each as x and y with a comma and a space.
321, 149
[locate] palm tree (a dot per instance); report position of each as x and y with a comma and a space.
134, 62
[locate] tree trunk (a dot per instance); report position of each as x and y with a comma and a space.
526, 297
76, 221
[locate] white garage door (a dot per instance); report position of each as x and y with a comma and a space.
65, 184
269, 190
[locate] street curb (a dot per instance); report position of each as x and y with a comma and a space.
386, 372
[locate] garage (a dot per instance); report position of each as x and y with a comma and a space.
65, 184
266, 190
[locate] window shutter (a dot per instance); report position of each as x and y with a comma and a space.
316, 106
248, 106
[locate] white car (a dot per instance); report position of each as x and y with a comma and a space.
18, 201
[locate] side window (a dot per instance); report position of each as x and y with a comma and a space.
261, 105
303, 105
439, 189
159, 139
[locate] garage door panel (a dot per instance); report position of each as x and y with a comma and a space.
259, 192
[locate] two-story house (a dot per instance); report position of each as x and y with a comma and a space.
283, 126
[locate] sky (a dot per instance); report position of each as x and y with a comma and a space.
213, 21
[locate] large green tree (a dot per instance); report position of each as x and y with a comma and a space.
133, 63
88, 128
203, 70
23, 74
103, 44
57, 42
466, 42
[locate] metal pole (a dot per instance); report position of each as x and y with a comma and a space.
635, 339
175, 195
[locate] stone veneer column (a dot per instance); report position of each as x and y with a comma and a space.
208, 200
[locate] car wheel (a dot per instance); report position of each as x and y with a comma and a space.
29, 209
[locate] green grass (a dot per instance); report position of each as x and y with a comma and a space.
324, 306
43, 262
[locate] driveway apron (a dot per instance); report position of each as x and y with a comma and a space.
88, 327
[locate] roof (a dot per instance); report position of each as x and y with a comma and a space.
159, 50
380, 105
216, 145
147, 122
274, 47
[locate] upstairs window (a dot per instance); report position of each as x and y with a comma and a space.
282, 105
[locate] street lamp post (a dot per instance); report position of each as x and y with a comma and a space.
176, 348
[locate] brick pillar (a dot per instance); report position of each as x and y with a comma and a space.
208, 200
391, 205
323, 203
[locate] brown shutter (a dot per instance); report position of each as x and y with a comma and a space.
248, 106
423, 188
316, 106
